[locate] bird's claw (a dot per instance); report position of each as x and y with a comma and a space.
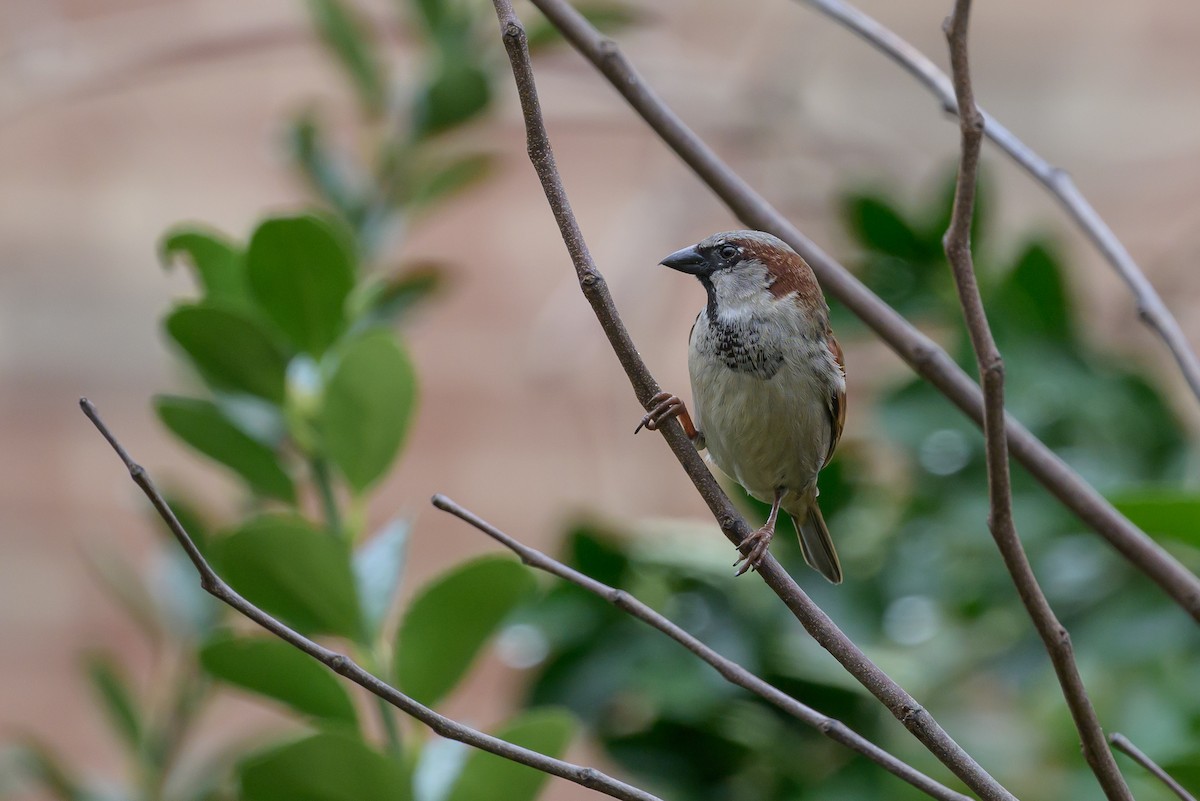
753, 549
665, 407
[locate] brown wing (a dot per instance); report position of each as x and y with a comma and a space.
837, 401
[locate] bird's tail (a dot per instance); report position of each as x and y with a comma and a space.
816, 544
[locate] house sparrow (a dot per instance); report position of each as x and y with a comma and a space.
768, 382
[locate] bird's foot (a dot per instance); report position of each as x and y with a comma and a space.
665, 406
753, 549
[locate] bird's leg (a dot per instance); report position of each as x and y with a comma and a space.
664, 407
754, 547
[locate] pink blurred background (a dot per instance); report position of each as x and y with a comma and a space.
119, 118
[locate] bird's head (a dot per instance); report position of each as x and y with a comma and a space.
749, 272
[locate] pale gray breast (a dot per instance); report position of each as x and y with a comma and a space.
759, 401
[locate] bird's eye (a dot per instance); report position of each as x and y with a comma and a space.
728, 252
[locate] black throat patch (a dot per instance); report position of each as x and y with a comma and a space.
741, 348
711, 308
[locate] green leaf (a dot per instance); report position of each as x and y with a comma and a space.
324, 767
1186, 771
367, 407
348, 38
459, 91
273, 668
329, 176
487, 777
880, 226
605, 17
378, 567
385, 301
216, 260
201, 424
599, 552
443, 17
36, 761
1163, 513
293, 571
449, 179
115, 697
230, 349
189, 515
939, 212
1033, 301
301, 270
449, 621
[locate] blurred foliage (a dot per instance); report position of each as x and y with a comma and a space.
305, 396
926, 594
306, 400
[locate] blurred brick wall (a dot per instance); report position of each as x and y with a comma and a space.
121, 117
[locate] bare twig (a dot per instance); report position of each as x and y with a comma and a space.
1057, 181
1121, 742
920, 352
343, 665
991, 370
729, 670
914, 717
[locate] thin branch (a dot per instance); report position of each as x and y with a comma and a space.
914, 717
919, 351
1121, 742
343, 665
729, 670
1151, 309
991, 369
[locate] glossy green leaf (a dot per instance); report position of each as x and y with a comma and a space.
293, 571
116, 698
301, 269
378, 568
1185, 770
324, 767
458, 92
450, 179
451, 619
1163, 513
597, 551
216, 260
230, 349
879, 226
384, 302
349, 39
367, 407
328, 175
1032, 300
487, 777
201, 424
272, 668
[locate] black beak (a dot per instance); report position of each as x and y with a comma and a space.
688, 260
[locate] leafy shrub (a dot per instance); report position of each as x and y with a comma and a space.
926, 594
